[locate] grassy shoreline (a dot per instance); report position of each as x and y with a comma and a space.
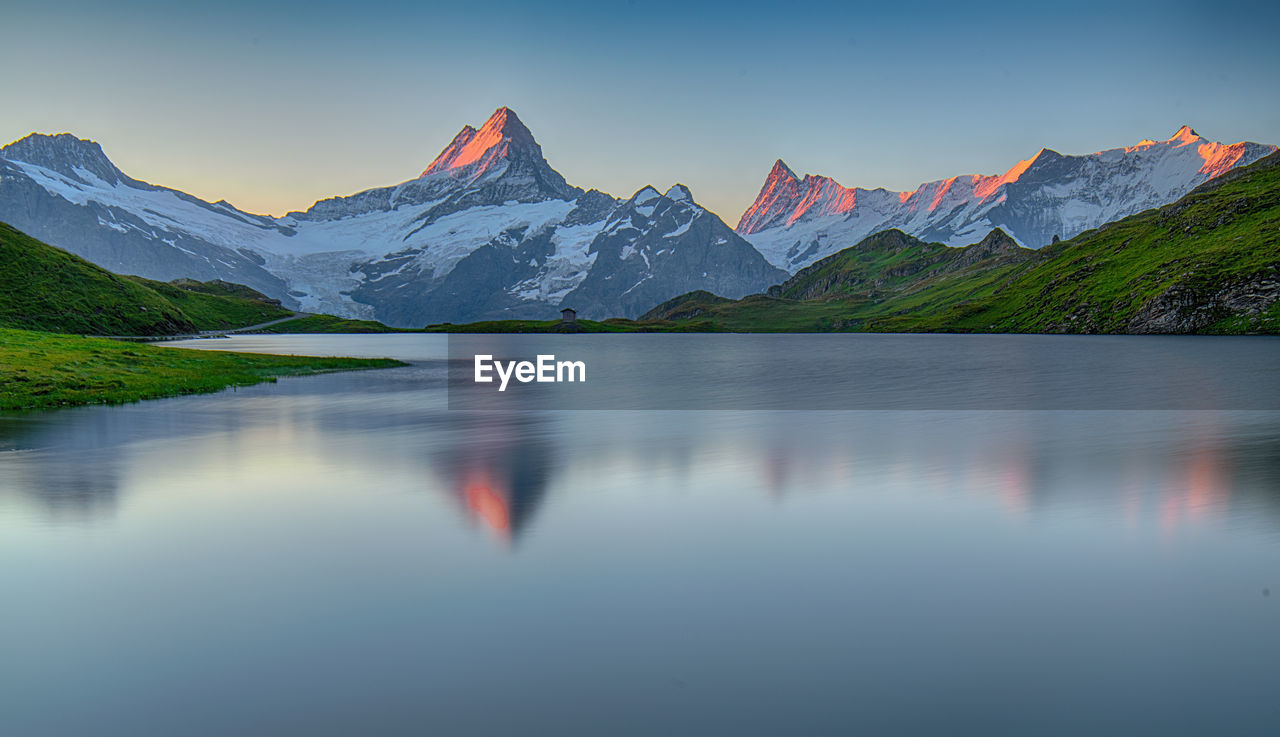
48, 370
331, 325
611, 325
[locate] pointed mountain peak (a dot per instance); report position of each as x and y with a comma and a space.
987, 186
781, 171
505, 121
780, 192
893, 237
63, 153
1186, 134
473, 153
679, 193
997, 241
63, 144
645, 195
1042, 156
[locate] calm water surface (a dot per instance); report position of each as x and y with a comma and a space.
342, 555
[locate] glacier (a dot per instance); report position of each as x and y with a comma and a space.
489, 230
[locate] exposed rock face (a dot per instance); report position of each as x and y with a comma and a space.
488, 230
685, 307
996, 243
603, 259
498, 164
65, 154
655, 242
1184, 309
795, 221
57, 205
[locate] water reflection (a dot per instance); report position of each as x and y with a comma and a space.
342, 555
1171, 469
499, 467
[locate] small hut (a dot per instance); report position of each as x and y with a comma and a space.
568, 316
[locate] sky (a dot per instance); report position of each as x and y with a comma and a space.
274, 106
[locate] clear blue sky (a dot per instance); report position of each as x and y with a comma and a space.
274, 107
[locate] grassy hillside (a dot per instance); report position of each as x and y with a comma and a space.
331, 324
46, 288
211, 307
220, 288
40, 370
1209, 263
884, 274
891, 263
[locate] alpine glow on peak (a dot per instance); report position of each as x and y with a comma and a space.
795, 222
489, 230
478, 151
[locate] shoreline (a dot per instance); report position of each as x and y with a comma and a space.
40, 371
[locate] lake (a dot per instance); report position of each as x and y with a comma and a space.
345, 555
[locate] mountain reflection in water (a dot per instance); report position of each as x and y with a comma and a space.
341, 554
1168, 468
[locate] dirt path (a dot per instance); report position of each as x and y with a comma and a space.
259, 326
209, 333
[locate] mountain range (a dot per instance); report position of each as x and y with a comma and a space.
796, 221
489, 230
1207, 263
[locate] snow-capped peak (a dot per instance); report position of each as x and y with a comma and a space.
490, 231
679, 193
1185, 135
63, 153
474, 153
987, 186
645, 195
781, 171
452, 152
1047, 196
780, 192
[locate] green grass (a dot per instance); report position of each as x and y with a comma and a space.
220, 288
762, 314
217, 311
1202, 263
1212, 243
612, 325
43, 370
331, 324
1193, 264
887, 274
46, 288
854, 312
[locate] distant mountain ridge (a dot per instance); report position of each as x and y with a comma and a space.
1207, 263
488, 230
795, 221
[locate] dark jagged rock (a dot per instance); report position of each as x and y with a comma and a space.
488, 230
